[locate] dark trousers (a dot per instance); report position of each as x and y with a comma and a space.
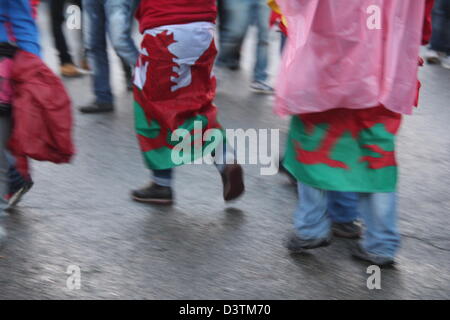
440, 40
57, 21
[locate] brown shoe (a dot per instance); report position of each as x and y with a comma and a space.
85, 65
70, 71
233, 182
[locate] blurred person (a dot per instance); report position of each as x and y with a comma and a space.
342, 206
342, 132
439, 48
277, 19
16, 25
112, 18
67, 65
174, 90
236, 17
20, 181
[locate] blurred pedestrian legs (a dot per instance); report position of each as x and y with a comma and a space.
312, 219
67, 66
112, 18
439, 50
235, 18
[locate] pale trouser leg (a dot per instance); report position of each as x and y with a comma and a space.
379, 213
311, 220
5, 123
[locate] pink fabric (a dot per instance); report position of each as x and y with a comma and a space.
333, 60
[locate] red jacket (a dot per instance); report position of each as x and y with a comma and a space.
157, 13
42, 114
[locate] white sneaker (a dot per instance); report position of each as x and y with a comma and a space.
445, 62
261, 87
433, 57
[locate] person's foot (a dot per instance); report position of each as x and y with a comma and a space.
234, 67
17, 193
361, 254
97, 108
233, 182
85, 65
153, 194
230, 66
70, 71
295, 244
445, 62
284, 171
261, 87
348, 230
433, 57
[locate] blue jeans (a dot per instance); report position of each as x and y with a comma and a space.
237, 16
378, 211
440, 39
163, 177
343, 206
112, 17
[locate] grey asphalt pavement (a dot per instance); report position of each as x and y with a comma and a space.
201, 248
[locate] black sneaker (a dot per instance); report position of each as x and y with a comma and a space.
296, 244
361, 254
154, 193
17, 194
233, 182
97, 108
348, 230
227, 65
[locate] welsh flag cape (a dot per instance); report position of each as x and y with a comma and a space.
347, 75
174, 89
345, 150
